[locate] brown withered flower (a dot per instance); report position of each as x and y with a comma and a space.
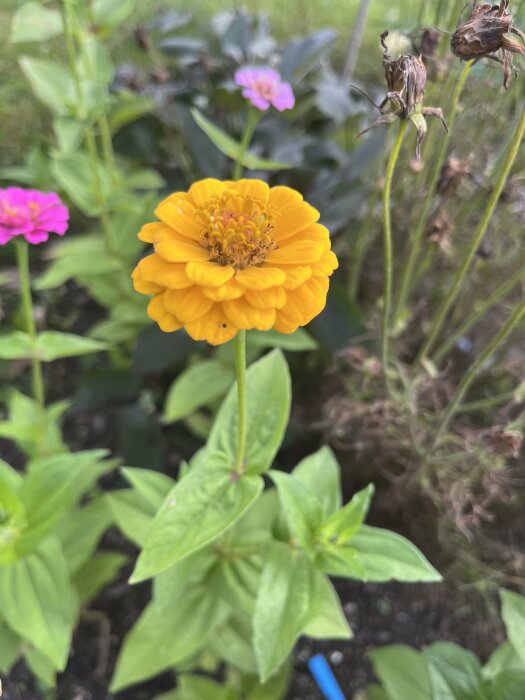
440, 229
452, 175
406, 79
485, 33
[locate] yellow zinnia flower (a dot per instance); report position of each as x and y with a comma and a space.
235, 255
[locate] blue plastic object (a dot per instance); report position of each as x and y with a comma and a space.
324, 677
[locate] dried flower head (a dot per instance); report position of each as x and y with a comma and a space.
235, 255
452, 175
487, 31
440, 228
406, 78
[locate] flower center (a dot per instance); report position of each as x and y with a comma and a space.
266, 88
237, 230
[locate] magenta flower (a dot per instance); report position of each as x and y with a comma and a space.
31, 214
263, 87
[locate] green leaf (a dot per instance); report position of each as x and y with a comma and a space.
503, 658
16, 345
286, 604
346, 521
131, 515
165, 636
96, 573
513, 614
69, 133
232, 148
374, 554
40, 666
52, 344
78, 257
403, 672
322, 474
197, 386
268, 408
13, 520
300, 506
126, 108
80, 532
508, 685
145, 180
35, 600
34, 432
455, 673
10, 647
231, 642
152, 486
32, 22
330, 622
50, 81
94, 63
75, 174
298, 341
198, 509
109, 14
275, 688
201, 688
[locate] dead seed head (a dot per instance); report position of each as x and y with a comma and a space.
485, 33
452, 175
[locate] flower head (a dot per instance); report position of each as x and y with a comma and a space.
32, 214
485, 32
235, 255
263, 87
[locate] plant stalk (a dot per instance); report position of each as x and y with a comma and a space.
415, 248
387, 243
473, 318
22, 258
240, 371
475, 243
473, 370
251, 123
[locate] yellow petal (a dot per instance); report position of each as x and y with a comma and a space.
181, 217
203, 191
187, 304
158, 312
143, 286
273, 298
326, 265
257, 189
214, 327
260, 277
297, 253
284, 326
296, 275
281, 196
305, 302
172, 275
315, 232
209, 274
243, 315
292, 216
148, 232
176, 197
176, 248
229, 290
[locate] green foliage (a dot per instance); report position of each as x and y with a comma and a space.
49, 346
33, 22
46, 539
445, 671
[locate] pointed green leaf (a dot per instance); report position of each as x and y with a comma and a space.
80, 531
197, 386
268, 408
286, 603
96, 573
198, 509
330, 622
232, 148
403, 672
35, 600
503, 658
50, 81
322, 474
302, 510
346, 521
10, 647
16, 345
513, 614
298, 341
32, 22
455, 673
51, 345
151, 485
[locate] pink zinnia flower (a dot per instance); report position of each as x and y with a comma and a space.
263, 87
31, 214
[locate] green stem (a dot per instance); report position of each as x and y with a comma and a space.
415, 248
473, 318
107, 144
387, 243
364, 240
251, 123
473, 370
240, 371
474, 245
489, 402
22, 257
